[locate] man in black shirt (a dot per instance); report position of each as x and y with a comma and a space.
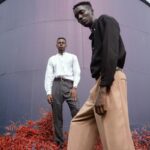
105, 113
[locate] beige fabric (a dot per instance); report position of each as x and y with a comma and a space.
113, 129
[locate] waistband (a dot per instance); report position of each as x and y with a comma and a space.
118, 69
62, 79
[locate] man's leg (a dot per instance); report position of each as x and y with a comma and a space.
67, 86
114, 126
83, 130
73, 107
57, 111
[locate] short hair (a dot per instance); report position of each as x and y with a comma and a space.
82, 3
61, 38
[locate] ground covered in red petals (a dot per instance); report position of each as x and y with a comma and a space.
39, 135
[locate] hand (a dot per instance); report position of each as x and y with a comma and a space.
73, 93
101, 102
49, 98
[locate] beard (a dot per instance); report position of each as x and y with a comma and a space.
61, 50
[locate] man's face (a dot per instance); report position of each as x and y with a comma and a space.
61, 45
84, 15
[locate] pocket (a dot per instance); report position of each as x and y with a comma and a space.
120, 75
94, 92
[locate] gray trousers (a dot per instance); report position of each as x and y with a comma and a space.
61, 92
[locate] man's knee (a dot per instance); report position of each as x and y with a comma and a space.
74, 112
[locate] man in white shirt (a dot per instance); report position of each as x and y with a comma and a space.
61, 80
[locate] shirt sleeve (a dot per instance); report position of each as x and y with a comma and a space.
110, 51
49, 76
76, 71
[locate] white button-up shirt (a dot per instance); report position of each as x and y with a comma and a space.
65, 65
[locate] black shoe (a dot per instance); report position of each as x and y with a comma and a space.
60, 146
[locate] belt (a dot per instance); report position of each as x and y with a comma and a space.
62, 79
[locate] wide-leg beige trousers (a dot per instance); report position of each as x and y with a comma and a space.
113, 128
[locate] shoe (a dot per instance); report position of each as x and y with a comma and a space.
61, 146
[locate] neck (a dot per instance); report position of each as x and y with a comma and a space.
61, 52
92, 23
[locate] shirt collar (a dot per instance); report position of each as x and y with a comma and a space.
92, 29
61, 54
